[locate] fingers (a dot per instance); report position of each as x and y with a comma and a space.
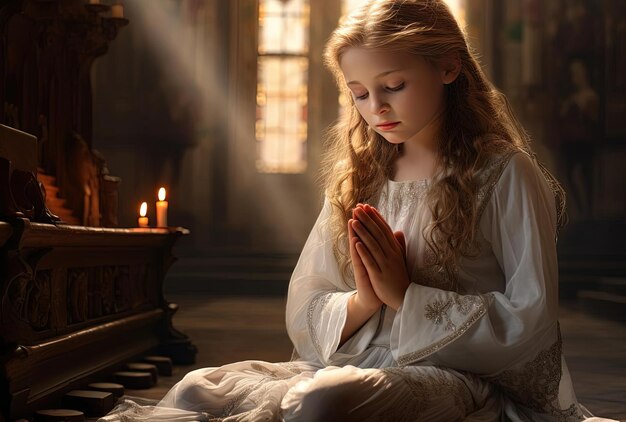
377, 226
368, 240
382, 224
381, 219
357, 264
371, 226
401, 240
367, 259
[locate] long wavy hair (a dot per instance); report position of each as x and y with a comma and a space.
477, 122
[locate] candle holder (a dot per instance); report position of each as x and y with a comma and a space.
111, 26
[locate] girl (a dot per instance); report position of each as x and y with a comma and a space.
427, 289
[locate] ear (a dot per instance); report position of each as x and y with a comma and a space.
450, 67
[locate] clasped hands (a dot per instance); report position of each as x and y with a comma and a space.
378, 259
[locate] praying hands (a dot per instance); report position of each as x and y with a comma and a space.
378, 258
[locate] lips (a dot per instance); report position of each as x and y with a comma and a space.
387, 125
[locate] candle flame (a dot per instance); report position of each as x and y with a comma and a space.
143, 210
162, 194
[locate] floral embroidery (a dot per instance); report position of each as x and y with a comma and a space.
536, 385
397, 200
464, 304
438, 310
481, 304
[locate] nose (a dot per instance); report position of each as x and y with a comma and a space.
379, 105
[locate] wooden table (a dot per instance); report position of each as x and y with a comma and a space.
76, 303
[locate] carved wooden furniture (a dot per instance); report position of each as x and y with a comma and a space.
78, 302
47, 49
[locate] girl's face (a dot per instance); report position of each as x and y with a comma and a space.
400, 95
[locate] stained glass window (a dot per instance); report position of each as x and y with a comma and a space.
281, 121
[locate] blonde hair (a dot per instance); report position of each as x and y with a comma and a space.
477, 122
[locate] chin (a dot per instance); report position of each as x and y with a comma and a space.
393, 139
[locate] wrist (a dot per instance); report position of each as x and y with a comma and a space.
400, 299
365, 307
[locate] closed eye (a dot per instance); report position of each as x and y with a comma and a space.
396, 88
390, 89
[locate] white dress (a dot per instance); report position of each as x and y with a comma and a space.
481, 346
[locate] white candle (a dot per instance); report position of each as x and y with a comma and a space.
117, 11
161, 209
143, 210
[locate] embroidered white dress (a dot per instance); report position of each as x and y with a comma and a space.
481, 346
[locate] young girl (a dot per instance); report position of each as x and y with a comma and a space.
428, 287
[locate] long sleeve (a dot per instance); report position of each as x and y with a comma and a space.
317, 302
486, 332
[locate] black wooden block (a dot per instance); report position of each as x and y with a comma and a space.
110, 387
95, 403
134, 380
163, 364
144, 367
55, 415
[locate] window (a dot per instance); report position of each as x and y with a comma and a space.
282, 75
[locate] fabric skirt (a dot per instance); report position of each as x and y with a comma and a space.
302, 391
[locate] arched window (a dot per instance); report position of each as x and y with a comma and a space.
282, 94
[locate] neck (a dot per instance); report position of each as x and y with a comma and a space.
418, 151
422, 150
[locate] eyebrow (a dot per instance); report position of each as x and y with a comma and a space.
377, 76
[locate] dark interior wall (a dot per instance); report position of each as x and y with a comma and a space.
160, 96
562, 66
160, 123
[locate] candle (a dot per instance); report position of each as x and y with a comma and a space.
161, 209
143, 210
117, 11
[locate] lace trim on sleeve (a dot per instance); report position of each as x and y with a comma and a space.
318, 302
472, 308
489, 179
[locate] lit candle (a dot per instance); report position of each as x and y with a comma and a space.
143, 210
117, 11
161, 209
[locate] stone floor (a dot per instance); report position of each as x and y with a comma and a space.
234, 328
